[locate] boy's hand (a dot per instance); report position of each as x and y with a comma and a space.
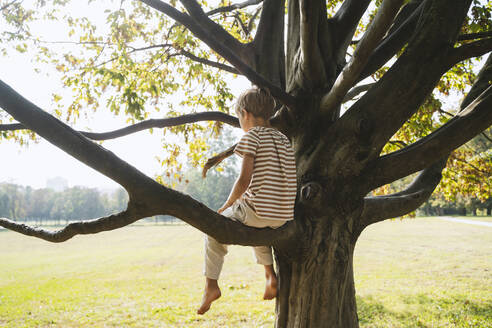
223, 208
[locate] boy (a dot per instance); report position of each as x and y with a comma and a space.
263, 194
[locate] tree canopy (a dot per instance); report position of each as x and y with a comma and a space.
131, 60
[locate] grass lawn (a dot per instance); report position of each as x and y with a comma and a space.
411, 273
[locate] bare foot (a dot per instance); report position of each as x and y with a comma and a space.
270, 288
211, 293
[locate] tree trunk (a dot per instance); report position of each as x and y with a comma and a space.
316, 288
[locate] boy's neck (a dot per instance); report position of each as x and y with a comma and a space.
260, 122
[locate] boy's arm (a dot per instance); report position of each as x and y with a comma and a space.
241, 183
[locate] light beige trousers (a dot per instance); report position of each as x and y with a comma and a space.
215, 251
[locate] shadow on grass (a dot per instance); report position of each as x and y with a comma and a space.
425, 311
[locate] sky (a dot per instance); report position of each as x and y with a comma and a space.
34, 164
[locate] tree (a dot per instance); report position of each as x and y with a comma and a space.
340, 153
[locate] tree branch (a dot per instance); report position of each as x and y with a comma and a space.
483, 80
180, 52
111, 222
219, 33
409, 81
253, 18
312, 64
217, 159
474, 36
464, 126
167, 201
232, 7
147, 124
70, 141
243, 26
470, 50
211, 63
355, 91
380, 208
269, 39
12, 127
209, 38
475, 116
398, 35
8, 5
351, 72
346, 19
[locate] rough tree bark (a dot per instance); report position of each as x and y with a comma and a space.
338, 156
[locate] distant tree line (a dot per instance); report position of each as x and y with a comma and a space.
46, 205
461, 205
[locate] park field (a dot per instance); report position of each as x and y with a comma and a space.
409, 273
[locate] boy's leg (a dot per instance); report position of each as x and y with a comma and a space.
264, 256
271, 283
210, 294
214, 259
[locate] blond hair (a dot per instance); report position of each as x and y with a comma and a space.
257, 102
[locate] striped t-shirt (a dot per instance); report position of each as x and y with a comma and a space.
272, 190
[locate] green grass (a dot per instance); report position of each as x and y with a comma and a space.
410, 273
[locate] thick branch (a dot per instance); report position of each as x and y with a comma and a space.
232, 7
355, 91
390, 206
470, 50
399, 34
402, 90
483, 80
167, 201
70, 141
351, 72
463, 127
225, 230
406, 12
269, 39
208, 37
145, 125
219, 34
346, 20
474, 36
311, 59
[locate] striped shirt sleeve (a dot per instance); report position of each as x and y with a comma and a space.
248, 145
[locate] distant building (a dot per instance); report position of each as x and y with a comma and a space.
57, 184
